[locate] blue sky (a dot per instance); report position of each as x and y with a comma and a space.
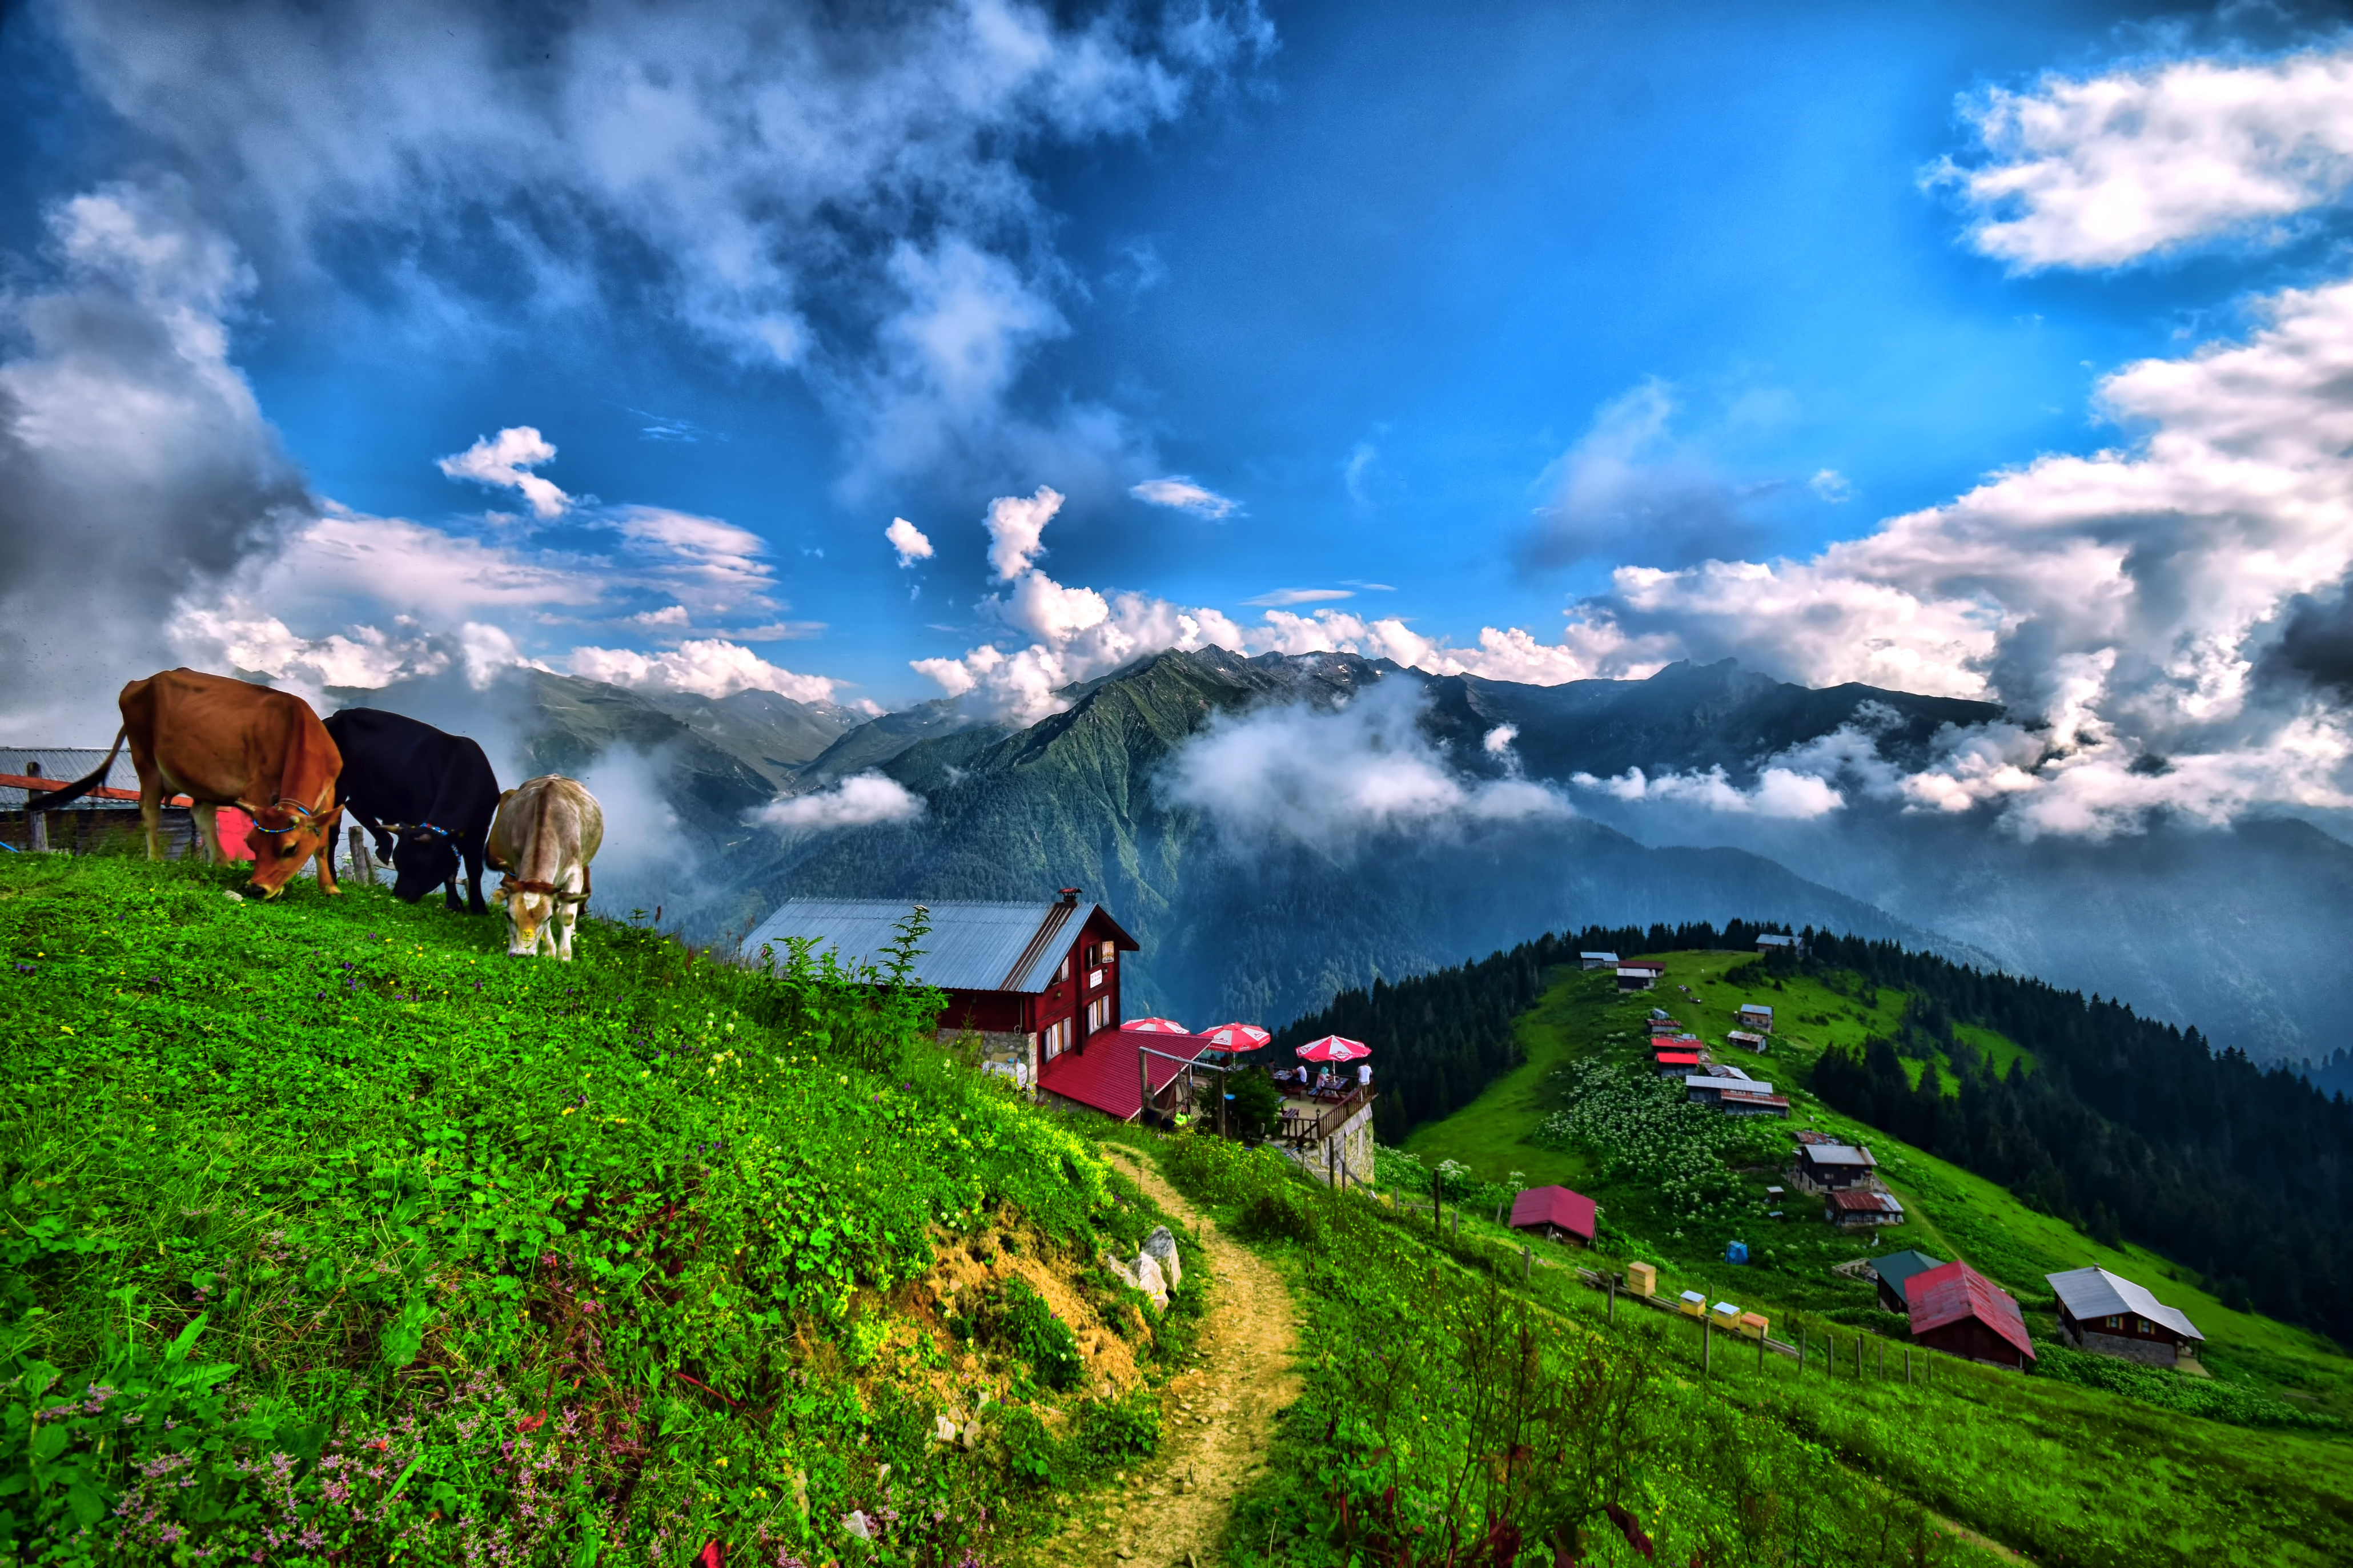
1463, 314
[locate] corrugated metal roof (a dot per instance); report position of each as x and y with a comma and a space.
1837, 1154
1746, 1085
1607, 957
1866, 1203
1573, 1212
970, 947
1106, 1072
1897, 1268
67, 764
2096, 1293
1954, 1292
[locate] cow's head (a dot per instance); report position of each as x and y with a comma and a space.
530, 906
284, 838
423, 859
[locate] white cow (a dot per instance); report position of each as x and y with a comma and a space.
546, 832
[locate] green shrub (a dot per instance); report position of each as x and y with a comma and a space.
1024, 1324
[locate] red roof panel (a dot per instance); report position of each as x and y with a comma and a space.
1573, 1212
1103, 1074
1947, 1295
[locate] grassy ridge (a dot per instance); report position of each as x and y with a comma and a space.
332, 1234
1742, 1463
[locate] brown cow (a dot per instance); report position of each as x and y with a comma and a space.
229, 742
546, 831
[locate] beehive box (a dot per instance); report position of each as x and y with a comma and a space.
1753, 1325
1725, 1313
1694, 1304
1642, 1278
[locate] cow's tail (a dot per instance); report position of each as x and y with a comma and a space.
49, 800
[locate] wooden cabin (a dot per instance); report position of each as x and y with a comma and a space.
1597, 959
1640, 976
1959, 1310
1756, 1016
1556, 1213
1862, 1207
1893, 1271
2107, 1314
1832, 1167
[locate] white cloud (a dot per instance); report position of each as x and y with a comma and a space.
1326, 777
504, 461
907, 541
1498, 740
1832, 486
2100, 172
1287, 596
135, 466
708, 667
2123, 603
845, 191
1625, 489
856, 801
1017, 525
1183, 494
1778, 793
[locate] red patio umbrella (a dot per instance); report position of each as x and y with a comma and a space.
1237, 1036
1156, 1026
1332, 1048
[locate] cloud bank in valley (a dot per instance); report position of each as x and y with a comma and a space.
857, 800
1328, 778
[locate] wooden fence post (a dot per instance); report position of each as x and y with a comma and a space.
1527, 1264
1705, 1340
1761, 1350
36, 828
1613, 1299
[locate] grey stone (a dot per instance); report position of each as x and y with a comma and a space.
1161, 1248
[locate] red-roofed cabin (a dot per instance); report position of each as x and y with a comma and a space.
1556, 1213
1959, 1310
1675, 1064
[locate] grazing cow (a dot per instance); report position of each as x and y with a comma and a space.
546, 832
433, 792
229, 742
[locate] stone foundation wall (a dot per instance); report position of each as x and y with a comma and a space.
1351, 1146
1009, 1055
2148, 1352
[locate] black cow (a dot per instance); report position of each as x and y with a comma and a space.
434, 790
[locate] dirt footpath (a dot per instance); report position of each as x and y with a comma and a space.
1218, 1414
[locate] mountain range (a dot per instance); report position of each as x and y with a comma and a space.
2230, 929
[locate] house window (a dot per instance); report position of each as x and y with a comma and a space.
1098, 1014
1056, 1039
1063, 972
1107, 953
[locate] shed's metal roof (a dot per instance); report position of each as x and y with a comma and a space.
1897, 1268
1752, 1086
2096, 1293
1836, 1154
970, 947
1757, 1007
67, 763
1610, 957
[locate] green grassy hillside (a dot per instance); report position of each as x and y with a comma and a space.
330, 1234
1584, 1023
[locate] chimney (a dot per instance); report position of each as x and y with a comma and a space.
1071, 896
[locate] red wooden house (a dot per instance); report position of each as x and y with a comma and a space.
1959, 1310
1034, 980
